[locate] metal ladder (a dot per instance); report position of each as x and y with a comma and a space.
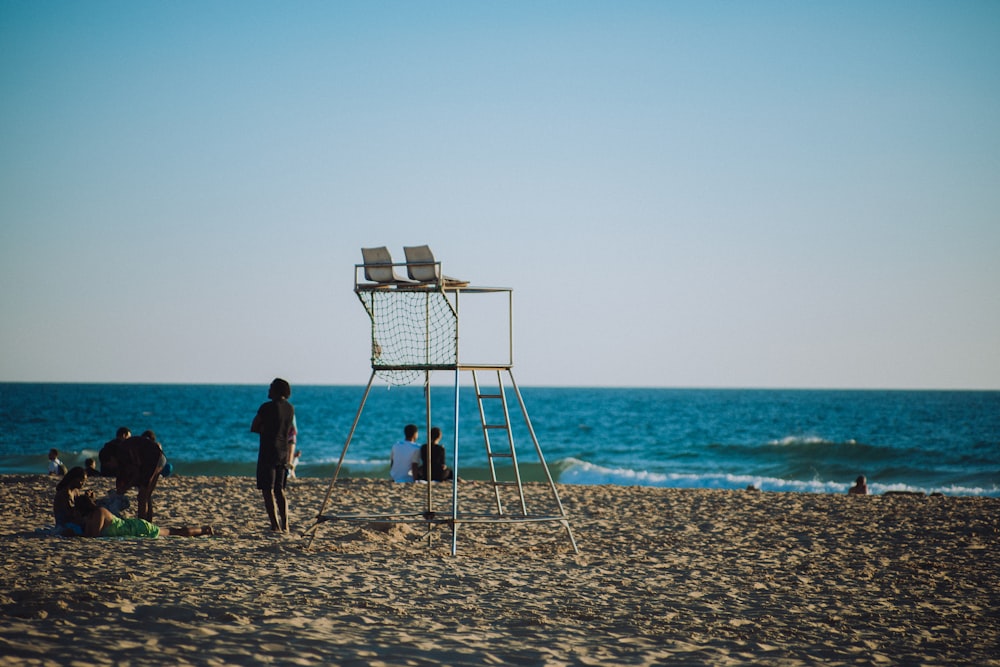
499, 450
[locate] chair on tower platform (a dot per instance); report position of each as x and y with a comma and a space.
422, 267
380, 270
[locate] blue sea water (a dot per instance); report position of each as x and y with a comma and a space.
777, 440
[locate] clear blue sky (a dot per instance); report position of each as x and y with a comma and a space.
731, 194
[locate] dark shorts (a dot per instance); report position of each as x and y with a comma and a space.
271, 477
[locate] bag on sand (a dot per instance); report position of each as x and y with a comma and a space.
114, 502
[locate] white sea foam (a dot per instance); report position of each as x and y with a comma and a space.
575, 471
357, 464
792, 440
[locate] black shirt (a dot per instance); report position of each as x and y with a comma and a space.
273, 422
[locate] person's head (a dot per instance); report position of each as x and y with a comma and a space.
279, 389
53, 454
149, 435
411, 431
860, 481
90, 464
123, 433
435, 434
73, 479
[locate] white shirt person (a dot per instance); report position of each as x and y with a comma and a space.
404, 453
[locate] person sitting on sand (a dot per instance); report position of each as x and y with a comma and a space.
404, 454
90, 466
860, 487
64, 506
56, 467
99, 522
439, 471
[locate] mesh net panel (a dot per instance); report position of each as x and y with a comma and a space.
412, 330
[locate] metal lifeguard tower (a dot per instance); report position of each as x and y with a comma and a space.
415, 330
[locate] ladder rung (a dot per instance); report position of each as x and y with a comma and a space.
489, 395
501, 455
500, 426
504, 483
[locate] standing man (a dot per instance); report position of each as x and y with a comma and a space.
404, 454
274, 422
140, 461
109, 452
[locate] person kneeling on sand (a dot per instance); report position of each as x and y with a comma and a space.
860, 487
99, 522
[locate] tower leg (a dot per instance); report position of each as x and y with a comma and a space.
454, 476
545, 467
340, 461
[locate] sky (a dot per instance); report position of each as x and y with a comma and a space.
680, 194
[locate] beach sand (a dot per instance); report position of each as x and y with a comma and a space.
662, 576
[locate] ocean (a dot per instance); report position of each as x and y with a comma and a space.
815, 441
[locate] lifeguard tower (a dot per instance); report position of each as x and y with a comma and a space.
415, 330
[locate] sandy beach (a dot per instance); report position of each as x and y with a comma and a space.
662, 576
